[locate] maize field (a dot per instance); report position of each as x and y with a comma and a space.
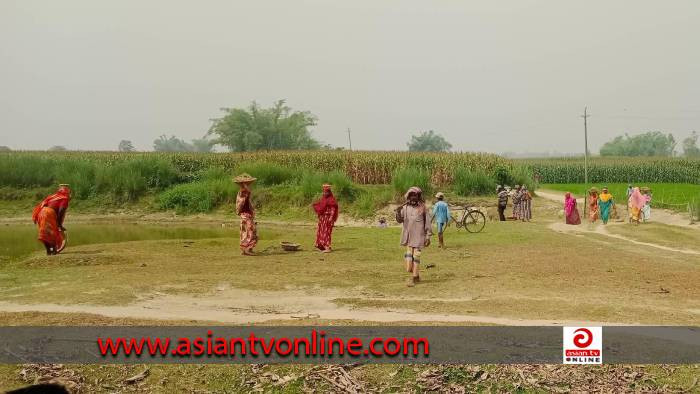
361, 166
615, 170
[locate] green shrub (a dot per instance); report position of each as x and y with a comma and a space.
201, 196
342, 186
472, 182
404, 178
369, 201
268, 173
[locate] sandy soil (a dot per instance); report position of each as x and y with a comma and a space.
238, 306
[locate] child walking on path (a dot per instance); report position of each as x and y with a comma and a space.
441, 215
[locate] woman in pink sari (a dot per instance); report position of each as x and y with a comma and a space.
572, 216
635, 204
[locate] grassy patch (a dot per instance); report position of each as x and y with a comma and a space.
481, 274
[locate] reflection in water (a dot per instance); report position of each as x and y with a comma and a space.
20, 240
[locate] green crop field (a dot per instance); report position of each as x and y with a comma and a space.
665, 195
615, 169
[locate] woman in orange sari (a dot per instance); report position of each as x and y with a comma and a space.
244, 209
593, 205
48, 215
327, 210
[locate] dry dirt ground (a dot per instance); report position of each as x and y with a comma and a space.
481, 278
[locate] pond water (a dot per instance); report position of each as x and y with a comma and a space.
17, 240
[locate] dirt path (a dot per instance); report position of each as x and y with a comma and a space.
238, 306
602, 230
658, 215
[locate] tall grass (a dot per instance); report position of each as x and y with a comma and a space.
124, 180
342, 186
269, 173
26, 171
199, 196
404, 178
472, 182
368, 201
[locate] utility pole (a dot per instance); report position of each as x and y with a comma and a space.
585, 136
349, 139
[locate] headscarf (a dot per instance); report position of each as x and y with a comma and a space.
421, 203
62, 197
414, 190
637, 200
326, 201
605, 195
569, 204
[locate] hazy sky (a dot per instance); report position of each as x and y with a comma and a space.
489, 75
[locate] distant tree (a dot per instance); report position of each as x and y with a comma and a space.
256, 128
171, 144
202, 145
4, 148
58, 148
126, 146
690, 146
428, 141
653, 143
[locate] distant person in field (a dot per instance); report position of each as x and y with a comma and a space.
635, 204
441, 216
416, 230
327, 210
593, 205
244, 209
502, 202
646, 209
605, 205
516, 196
525, 204
570, 210
382, 223
49, 215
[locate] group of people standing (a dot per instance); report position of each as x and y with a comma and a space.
602, 206
522, 202
326, 209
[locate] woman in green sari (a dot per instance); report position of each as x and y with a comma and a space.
605, 204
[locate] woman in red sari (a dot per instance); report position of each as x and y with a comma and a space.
244, 209
48, 215
327, 210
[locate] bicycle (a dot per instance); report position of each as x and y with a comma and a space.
473, 220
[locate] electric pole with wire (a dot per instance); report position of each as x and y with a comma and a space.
585, 137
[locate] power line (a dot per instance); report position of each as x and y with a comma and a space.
585, 136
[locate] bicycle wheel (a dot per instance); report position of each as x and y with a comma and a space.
474, 221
